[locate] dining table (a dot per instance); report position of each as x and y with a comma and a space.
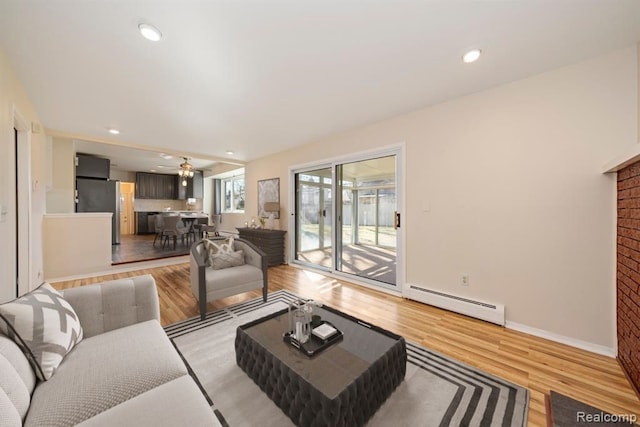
190, 219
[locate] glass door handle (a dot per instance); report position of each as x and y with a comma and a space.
396, 220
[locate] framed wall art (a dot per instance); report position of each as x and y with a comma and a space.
269, 198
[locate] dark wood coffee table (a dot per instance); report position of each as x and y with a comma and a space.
342, 386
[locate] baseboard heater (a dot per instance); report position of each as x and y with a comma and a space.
493, 313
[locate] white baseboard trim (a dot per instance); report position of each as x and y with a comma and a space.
583, 345
124, 268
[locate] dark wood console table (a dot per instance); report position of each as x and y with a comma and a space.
270, 241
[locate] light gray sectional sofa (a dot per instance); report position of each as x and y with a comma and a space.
125, 372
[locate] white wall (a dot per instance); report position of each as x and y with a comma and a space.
229, 222
76, 244
61, 188
123, 176
517, 198
13, 98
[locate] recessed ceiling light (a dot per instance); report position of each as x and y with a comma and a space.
166, 156
471, 56
152, 170
229, 152
113, 131
150, 32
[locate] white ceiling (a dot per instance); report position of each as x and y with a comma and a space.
258, 77
135, 160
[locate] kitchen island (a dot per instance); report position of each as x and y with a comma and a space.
146, 220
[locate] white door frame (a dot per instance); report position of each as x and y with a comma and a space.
22, 153
293, 226
397, 150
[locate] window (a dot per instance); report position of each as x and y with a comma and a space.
232, 194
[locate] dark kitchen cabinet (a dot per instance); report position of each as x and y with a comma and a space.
88, 166
194, 187
168, 186
198, 185
155, 186
182, 190
145, 222
142, 226
143, 185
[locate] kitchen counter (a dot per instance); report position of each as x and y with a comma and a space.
172, 212
193, 215
145, 220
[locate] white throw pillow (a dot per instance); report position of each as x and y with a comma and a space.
227, 259
218, 247
45, 327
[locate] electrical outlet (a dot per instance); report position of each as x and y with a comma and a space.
465, 280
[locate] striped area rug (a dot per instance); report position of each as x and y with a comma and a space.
437, 390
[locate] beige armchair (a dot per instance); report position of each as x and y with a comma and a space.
208, 284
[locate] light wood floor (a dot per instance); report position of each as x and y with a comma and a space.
368, 261
535, 363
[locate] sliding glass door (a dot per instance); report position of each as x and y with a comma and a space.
367, 240
314, 210
346, 218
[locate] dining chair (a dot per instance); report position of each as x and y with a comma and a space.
173, 227
190, 223
159, 227
205, 230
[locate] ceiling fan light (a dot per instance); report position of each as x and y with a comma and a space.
186, 170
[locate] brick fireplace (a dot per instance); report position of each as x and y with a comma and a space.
628, 272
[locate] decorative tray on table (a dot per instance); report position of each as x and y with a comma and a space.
322, 337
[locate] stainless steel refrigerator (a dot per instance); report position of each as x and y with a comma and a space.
99, 195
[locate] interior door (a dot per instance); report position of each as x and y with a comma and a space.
28, 277
17, 216
127, 223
